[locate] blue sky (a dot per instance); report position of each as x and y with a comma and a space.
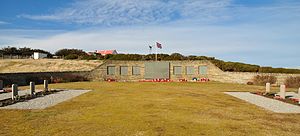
264, 32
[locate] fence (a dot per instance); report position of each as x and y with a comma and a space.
14, 56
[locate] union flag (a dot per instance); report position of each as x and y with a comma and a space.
158, 45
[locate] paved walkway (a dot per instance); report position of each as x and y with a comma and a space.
266, 103
46, 101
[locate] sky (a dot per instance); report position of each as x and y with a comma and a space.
263, 32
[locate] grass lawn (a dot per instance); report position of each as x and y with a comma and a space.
139, 109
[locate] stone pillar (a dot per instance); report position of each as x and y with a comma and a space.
45, 85
14, 91
1, 85
282, 91
32, 88
268, 87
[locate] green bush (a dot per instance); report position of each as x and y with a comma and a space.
71, 57
278, 70
292, 82
262, 80
23, 51
88, 57
66, 52
69, 78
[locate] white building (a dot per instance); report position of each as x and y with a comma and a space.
38, 55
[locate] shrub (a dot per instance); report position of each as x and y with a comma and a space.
177, 56
71, 57
262, 80
250, 83
69, 78
88, 57
66, 52
278, 70
23, 51
293, 82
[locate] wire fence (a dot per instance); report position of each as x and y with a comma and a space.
14, 57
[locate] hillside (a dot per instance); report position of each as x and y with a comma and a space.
46, 65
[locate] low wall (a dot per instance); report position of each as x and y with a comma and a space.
213, 72
38, 77
244, 77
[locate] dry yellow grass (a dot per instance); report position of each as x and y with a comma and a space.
46, 65
143, 109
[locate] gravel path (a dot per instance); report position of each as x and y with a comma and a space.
266, 103
46, 101
21, 93
291, 95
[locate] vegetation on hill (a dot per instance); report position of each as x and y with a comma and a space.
22, 51
71, 54
46, 65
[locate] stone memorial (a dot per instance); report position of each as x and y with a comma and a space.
14, 91
268, 87
45, 85
282, 91
32, 88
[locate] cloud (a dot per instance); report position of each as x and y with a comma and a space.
265, 35
129, 12
137, 39
3, 22
153, 12
244, 43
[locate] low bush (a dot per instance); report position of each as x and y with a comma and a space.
69, 78
88, 57
250, 83
292, 82
71, 57
262, 80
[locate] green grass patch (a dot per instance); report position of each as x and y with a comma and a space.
150, 109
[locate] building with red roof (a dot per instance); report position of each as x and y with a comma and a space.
106, 52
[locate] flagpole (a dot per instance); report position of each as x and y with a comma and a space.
155, 53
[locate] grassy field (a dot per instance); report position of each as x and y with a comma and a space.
46, 65
138, 109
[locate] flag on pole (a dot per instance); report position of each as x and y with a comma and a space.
158, 45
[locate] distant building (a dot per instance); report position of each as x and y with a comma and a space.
106, 52
38, 55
